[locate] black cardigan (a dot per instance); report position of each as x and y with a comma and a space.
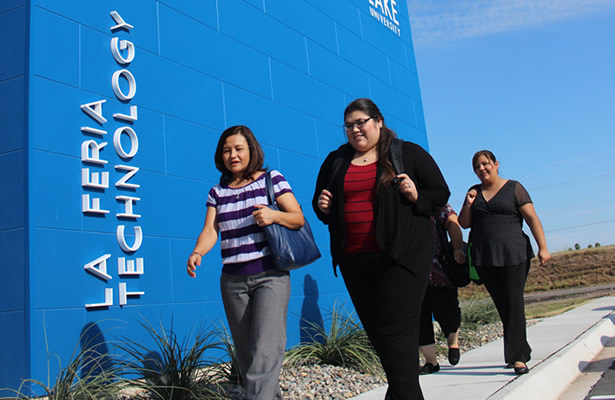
403, 229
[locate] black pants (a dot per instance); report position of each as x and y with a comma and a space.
387, 298
442, 303
505, 285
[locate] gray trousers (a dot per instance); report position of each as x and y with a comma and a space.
256, 308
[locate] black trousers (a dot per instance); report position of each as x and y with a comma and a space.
387, 298
443, 304
505, 285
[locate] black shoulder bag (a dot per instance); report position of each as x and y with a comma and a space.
459, 274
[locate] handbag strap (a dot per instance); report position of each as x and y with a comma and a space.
396, 156
444, 255
269, 188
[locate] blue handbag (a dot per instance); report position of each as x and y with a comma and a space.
290, 248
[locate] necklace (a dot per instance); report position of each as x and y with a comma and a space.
367, 157
237, 187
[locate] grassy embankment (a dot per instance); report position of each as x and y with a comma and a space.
566, 270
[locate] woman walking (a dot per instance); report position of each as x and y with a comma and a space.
495, 210
381, 235
255, 295
441, 302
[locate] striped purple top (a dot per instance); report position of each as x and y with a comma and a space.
244, 248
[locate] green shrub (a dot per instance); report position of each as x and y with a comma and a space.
90, 374
174, 370
344, 344
229, 371
478, 312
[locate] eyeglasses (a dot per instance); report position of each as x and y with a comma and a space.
359, 124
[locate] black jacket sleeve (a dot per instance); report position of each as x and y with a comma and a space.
423, 170
321, 183
326, 179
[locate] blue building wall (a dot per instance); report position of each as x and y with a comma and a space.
13, 218
286, 69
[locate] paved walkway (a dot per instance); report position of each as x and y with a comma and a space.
562, 346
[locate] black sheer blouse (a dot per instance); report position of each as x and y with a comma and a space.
497, 237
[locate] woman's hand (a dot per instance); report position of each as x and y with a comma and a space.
531, 218
543, 256
407, 187
264, 215
465, 216
288, 216
470, 197
193, 261
324, 201
459, 256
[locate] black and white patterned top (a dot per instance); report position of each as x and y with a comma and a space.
497, 236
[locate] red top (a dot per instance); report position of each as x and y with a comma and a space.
359, 197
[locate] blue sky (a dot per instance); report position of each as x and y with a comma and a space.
533, 81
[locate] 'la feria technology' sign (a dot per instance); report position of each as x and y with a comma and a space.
95, 179
385, 11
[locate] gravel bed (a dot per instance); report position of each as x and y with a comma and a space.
320, 382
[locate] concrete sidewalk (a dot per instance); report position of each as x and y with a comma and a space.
561, 347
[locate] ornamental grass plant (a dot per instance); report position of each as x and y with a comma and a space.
91, 374
478, 311
229, 371
344, 344
175, 369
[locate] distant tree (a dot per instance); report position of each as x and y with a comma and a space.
569, 248
589, 246
597, 244
577, 246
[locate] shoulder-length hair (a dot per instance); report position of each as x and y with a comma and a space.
257, 157
387, 135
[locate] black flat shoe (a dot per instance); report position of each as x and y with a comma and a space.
509, 365
453, 356
429, 368
521, 370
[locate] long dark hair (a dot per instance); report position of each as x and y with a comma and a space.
257, 157
386, 137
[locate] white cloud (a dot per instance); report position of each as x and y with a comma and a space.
439, 20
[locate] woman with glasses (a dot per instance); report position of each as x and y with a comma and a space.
495, 210
381, 235
255, 295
